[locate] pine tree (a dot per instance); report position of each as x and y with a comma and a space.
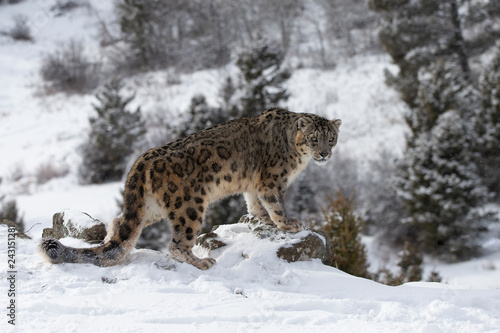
410, 262
415, 34
262, 78
189, 34
439, 183
488, 124
303, 197
343, 226
144, 30
443, 86
200, 116
115, 131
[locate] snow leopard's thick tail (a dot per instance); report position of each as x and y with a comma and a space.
108, 254
123, 232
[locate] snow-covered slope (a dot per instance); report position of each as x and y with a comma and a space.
248, 290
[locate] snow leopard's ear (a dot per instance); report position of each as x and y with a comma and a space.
337, 123
302, 123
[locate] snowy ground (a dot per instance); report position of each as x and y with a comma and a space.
238, 294
249, 289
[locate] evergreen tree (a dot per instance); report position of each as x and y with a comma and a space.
200, 116
343, 226
415, 34
262, 78
439, 183
410, 262
115, 131
488, 124
438, 179
142, 30
443, 86
303, 197
189, 34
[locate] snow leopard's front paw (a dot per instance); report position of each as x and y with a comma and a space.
292, 225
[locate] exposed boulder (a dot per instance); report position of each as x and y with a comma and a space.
302, 246
70, 223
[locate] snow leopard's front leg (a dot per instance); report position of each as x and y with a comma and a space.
274, 203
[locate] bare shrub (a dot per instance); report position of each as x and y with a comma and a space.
63, 6
16, 173
69, 69
21, 30
48, 171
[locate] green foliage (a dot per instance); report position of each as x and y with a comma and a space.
434, 277
262, 78
115, 131
200, 116
141, 30
410, 261
443, 86
415, 34
343, 226
439, 183
303, 198
487, 124
159, 34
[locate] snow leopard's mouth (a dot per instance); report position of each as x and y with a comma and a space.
321, 161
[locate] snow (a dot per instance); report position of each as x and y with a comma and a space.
78, 220
249, 289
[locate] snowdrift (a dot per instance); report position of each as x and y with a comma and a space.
249, 289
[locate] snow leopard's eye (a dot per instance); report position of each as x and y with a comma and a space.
314, 139
331, 139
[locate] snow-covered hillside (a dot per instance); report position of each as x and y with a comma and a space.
248, 290
255, 292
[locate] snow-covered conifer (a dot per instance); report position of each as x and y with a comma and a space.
262, 78
488, 124
115, 131
438, 181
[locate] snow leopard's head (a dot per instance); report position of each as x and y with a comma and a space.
316, 136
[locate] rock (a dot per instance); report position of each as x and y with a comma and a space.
309, 247
303, 246
209, 241
69, 223
11, 224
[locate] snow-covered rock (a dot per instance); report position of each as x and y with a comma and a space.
75, 224
302, 246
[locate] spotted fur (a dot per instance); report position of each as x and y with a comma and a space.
259, 157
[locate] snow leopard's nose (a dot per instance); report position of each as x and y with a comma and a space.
324, 154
